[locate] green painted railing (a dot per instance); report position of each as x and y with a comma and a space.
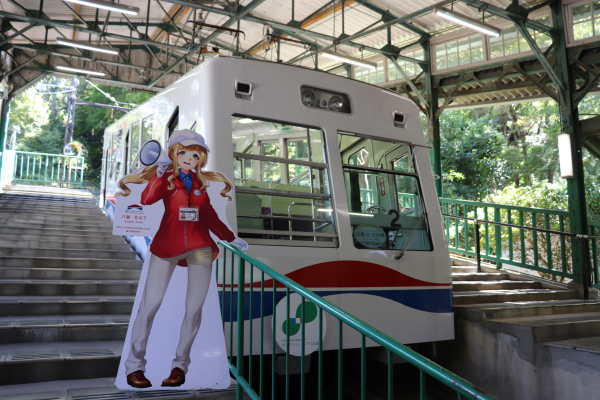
543, 252
256, 387
43, 169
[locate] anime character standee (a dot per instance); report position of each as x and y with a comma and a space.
183, 238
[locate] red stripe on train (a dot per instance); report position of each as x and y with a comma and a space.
348, 274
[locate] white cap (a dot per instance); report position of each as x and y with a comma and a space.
187, 137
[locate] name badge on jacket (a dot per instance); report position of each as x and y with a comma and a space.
189, 214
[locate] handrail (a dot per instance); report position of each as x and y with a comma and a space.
46, 154
542, 246
425, 366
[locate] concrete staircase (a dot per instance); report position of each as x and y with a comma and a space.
523, 337
67, 287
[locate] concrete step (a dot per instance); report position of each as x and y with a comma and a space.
474, 276
85, 234
65, 305
71, 211
590, 344
35, 223
104, 389
501, 296
70, 253
20, 287
10, 234
58, 244
48, 198
67, 274
76, 206
62, 328
539, 308
43, 362
34, 226
546, 328
34, 216
465, 286
463, 269
68, 263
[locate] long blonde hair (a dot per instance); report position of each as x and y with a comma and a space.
203, 176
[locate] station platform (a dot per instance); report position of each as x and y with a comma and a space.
67, 286
523, 337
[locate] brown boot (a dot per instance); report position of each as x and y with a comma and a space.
177, 378
138, 380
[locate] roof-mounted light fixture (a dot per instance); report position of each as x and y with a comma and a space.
86, 46
107, 5
80, 71
468, 22
348, 59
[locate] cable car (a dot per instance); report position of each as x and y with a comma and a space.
333, 188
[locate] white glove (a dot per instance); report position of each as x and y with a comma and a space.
240, 244
161, 170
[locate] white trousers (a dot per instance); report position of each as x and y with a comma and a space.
160, 271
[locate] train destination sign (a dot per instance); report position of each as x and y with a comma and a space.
370, 236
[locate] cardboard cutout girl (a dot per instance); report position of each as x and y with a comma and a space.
183, 239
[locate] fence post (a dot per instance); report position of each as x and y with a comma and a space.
240, 329
477, 245
586, 273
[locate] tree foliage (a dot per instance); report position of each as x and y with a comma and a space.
40, 114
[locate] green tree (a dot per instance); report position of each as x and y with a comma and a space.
29, 112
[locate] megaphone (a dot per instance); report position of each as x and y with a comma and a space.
152, 153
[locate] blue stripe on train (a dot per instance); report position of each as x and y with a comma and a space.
428, 300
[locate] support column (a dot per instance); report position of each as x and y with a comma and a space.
433, 119
569, 115
4, 122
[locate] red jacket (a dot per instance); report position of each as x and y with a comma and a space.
175, 237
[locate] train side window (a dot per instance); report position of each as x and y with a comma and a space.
384, 195
147, 128
135, 146
173, 123
282, 184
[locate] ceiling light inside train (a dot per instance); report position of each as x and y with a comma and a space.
106, 5
348, 59
308, 98
86, 46
469, 22
246, 121
79, 71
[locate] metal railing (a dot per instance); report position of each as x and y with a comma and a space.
255, 386
525, 237
42, 169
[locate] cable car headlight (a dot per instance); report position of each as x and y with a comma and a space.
336, 103
324, 99
308, 98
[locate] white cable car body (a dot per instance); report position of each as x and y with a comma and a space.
328, 198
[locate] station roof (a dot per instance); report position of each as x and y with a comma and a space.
162, 42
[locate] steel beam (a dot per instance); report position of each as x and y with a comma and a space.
520, 25
245, 10
17, 34
55, 24
54, 51
410, 83
433, 120
569, 119
511, 16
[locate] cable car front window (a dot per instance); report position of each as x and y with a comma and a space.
384, 196
282, 184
